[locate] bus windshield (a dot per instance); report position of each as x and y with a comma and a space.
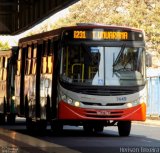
102, 66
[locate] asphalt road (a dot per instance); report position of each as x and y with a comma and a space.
143, 139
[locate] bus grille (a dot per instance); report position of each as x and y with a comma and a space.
100, 104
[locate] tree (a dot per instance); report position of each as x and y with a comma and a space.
143, 14
4, 46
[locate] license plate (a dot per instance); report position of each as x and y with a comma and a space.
103, 113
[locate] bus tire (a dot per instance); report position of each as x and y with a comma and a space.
38, 127
11, 118
88, 128
57, 127
29, 124
2, 118
98, 128
41, 126
124, 128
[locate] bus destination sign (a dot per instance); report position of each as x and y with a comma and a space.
102, 34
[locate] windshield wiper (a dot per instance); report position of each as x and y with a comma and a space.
119, 55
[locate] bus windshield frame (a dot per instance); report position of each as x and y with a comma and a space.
88, 63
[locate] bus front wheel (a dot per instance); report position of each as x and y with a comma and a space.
11, 118
57, 127
38, 126
88, 128
98, 128
124, 128
2, 118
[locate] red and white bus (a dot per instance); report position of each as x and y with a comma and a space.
87, 75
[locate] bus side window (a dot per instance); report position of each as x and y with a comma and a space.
1, 70
4, 74
44, 64
1, 67
50, 63
18, 67
47, 64
5, 61
34, 60
28, 61
28, 67
1, 62
19, 62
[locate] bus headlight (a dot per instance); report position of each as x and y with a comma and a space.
66, 99
77, 103
136, 102
69, 101
129, 105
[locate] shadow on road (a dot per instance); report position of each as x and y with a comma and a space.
106, 142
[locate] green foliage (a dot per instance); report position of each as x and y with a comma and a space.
143, 14
4, 46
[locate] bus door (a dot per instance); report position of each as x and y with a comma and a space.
47, 63
3, 74
11, 72
30, 81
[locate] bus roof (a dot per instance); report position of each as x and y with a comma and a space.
57, 32
97, 25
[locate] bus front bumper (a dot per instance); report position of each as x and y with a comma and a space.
69, 112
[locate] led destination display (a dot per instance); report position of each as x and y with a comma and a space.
102, 34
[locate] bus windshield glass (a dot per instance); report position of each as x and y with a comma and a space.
102, 66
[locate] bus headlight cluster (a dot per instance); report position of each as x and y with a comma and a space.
136, 102
132, 104
70, 101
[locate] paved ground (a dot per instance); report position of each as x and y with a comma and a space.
144, 137
154, 122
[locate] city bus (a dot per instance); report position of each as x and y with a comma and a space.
7, 73
87, 75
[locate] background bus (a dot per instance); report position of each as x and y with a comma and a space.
7, 72
89, 75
